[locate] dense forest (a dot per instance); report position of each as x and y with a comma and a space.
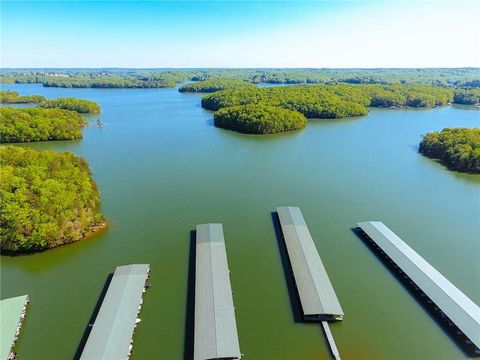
259, 119
332, 101
97, 78
78, 105
12, 97
212, 85
37, 124
457, 148
47, 199
467, 96
155, 78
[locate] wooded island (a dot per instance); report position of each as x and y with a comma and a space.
457, 148
48, 199
259, 119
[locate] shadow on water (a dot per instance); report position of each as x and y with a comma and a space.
190, 306
88, 329
450, 329
287, 270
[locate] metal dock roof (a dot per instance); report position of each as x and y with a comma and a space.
454, 303
215, 325
113, 328
316, 292
11, 316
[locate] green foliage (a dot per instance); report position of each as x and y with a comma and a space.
98, 78
331, 101
80, 106
208, 86
467, 96
319, 101
129, 78
457, 148
407, 95
34, 124
12, 97
259, 119
47, 199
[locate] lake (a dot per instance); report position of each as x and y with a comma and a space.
162, 168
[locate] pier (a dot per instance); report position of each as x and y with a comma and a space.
112, 331
12, 313
317, 296
215, 334
451, 304
315, 291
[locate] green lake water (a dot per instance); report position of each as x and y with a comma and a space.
162, 168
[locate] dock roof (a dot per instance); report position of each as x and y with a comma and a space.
215, 325
454, 303
113, 328
316, 292
10, 316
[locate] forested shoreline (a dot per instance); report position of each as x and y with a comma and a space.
78, 105
39, 124
155, 78
13, 97
332, 101
48, 199
456, 148
213, 85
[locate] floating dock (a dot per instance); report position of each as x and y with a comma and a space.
215, 325
12, 313
454, 304
317, 297
112, 331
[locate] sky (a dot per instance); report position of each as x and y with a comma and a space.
186, 34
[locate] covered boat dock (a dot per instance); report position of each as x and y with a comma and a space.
317, 296
451, 302
215, 333
12, 313
112, 331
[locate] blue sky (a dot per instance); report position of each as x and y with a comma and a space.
240, 34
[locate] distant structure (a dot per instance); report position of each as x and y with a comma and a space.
112, 331
317, 297
215, 335
453, 303
12, 313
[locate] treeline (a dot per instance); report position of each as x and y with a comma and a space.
457, 148
259, 119
78, 105
37, 124
97, 78
12, 97
152, 78
48, 199
457, 77
212, 85
332, 101
467, 96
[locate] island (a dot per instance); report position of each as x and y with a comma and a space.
259, 119
12, 97
456, 148
38, 124
48, 199
212, 85
73, 104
